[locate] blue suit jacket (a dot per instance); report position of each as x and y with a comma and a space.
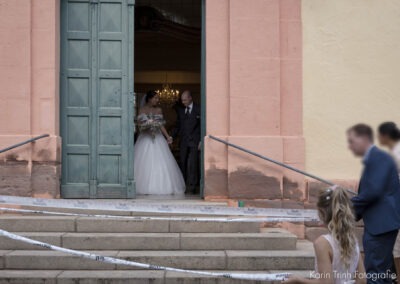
378, 199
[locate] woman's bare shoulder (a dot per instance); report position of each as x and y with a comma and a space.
321, 243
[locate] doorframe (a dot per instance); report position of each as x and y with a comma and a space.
203, 92
131, 185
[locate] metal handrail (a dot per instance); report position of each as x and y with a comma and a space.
277, 163
25, 142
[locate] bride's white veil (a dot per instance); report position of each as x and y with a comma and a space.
143, 100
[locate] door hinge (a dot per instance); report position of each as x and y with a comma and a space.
131, 2
130, 186
94, 1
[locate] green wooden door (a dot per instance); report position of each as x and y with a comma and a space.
97, 98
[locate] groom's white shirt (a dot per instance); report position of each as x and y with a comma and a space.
189, 108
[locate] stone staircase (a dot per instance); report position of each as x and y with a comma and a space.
210, 246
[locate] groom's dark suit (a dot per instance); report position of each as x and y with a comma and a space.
188, 126
378, 204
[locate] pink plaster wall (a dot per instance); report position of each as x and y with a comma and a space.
29, 96
254, 99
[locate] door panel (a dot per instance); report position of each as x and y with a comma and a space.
96, 108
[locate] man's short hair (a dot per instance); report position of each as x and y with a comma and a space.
362, 129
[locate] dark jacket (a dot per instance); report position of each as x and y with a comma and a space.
378, 199
188, 126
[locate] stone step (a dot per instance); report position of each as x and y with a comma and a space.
93, 225
162, 200
273, 239
122, 277
302, 259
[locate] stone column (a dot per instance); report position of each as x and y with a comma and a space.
254, 99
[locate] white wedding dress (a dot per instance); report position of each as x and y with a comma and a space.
155, 168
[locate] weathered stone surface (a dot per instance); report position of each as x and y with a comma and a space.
296, 228
213, 227
249, 183
313, 224
14, 168
199, 260
15, 178
51, 238
292, 189
259, 260
314, 188
28, 277
20, 179
216, 182
215, 166
121, 241
121, 225
111, 277
2, 254
180, 278
126, 277
314, 232
263, 203
53, 260
292, 204
37, 223
271, 240
274, 239
46, 179
308, 205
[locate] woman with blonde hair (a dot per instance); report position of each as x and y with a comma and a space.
338, 258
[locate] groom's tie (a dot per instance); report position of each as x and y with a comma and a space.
187, 111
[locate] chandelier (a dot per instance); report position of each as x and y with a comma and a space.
168, 96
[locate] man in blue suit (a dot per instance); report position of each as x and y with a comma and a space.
377, 203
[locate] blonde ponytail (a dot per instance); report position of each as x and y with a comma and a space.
336, 212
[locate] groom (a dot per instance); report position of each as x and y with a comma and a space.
188, 125
377, 203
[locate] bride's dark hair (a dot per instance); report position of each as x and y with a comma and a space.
150, 94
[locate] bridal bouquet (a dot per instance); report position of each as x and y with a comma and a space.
151, 124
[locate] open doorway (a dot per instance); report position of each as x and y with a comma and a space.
168, 54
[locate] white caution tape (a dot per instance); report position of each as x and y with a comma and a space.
133, 206
243, 276
168, 218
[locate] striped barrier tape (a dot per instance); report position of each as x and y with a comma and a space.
133, 206
168, 218
242, 276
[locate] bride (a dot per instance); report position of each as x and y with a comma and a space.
155, 168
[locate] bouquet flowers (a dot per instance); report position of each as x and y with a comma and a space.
152, 124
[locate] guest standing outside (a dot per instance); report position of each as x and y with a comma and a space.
377, 203
389, 136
